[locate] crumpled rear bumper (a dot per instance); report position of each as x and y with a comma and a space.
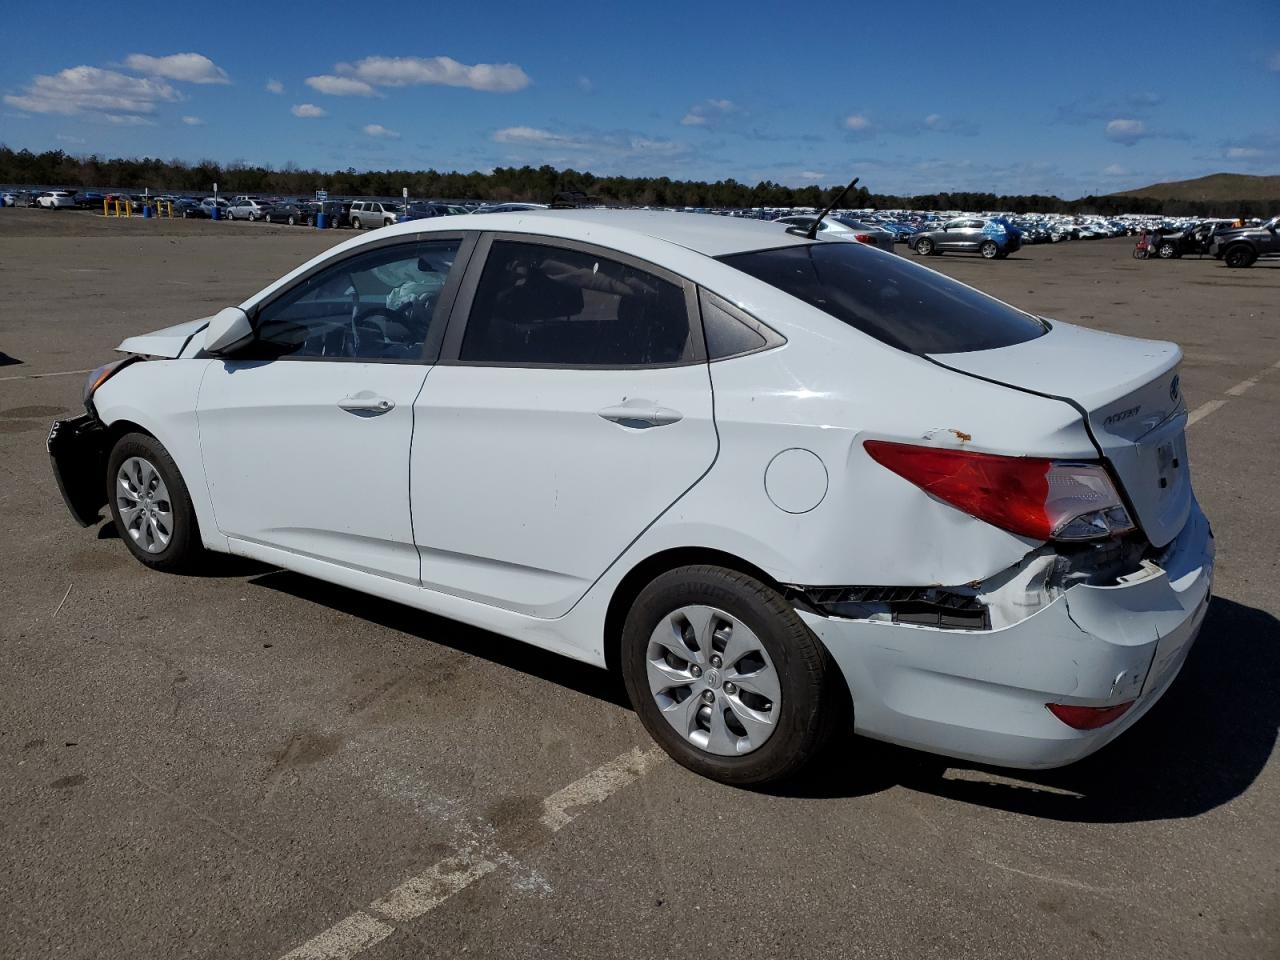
981, 695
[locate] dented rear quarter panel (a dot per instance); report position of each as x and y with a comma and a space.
827, 390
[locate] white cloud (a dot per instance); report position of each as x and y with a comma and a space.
1243, 153
1126, 131
275, 86
187, 67
535, 135
1273, 64
857, 122
1115, 170
87, 89
445, 71
67, 138
128, 120
612, 144
811, 175
381, 132
340, 86
707, 112
584, 84
193, 121
308, 111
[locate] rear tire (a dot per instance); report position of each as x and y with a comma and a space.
1239, 256
355, 223
293, 221
989, 250
150, 505
760, 636
1166, 251
924, 247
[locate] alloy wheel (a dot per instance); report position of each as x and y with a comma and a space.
713, 680
142, 498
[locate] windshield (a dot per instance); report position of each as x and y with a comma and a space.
887, 297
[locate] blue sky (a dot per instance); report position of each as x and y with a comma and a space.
913, 97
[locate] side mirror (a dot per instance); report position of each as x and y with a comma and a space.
228, 328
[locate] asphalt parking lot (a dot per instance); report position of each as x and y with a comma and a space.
251, 764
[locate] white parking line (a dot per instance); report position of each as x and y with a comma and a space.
1202, 411
598, 785
1206, 408
41, 376
424, 892
344, 939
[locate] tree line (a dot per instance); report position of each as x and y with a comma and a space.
538, 184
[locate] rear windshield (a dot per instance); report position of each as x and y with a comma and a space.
890, 298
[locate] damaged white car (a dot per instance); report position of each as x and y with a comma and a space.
782, 486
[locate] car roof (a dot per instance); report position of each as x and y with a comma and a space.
702, 233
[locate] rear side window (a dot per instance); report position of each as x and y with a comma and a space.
538, 304
890, 298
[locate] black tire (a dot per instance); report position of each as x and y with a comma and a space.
1166, 251
924, 247
989, 249
812, 698
1239, 256
184, 550
292, 221
355, 223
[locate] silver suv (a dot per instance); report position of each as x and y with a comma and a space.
374, 213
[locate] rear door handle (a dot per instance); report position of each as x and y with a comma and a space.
366, 402
641, 414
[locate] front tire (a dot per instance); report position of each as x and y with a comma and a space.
924, 247
150, 504
726, 677
1166, 251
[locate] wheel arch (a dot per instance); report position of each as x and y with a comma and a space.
650, 568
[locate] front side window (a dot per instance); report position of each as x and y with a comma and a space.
898, 302
379, 305
538, 304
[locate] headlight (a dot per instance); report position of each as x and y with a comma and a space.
100, 376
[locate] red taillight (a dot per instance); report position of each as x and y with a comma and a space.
1009, 492
1087, 718
865, 238
1030, 496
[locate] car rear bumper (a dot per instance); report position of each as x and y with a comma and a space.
982, 695
77, 451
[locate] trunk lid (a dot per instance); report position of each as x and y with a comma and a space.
1132, 398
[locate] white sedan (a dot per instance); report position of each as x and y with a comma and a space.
782, 486
56, 200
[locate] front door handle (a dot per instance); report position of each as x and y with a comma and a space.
641, 414
366, 402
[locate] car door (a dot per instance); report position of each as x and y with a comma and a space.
571, 407
951, 235
305, 432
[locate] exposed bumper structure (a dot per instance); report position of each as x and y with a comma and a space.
78, 453
981, 695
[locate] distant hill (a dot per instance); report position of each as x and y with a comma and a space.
1215, 188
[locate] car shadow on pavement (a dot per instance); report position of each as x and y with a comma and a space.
1200, 747
543, 664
